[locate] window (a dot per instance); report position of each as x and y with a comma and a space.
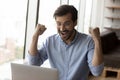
12, 34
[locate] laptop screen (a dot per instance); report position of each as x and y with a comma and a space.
28, 72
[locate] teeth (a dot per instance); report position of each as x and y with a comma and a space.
63, 33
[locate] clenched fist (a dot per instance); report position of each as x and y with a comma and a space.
95, 33
39, 29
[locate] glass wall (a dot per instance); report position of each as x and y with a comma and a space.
12, 34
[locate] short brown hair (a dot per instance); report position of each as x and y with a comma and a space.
64, 9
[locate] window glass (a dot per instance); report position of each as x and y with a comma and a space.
12, 34
46, 11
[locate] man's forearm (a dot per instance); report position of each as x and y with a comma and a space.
33, 46
98, 55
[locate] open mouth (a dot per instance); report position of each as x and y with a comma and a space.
64, 34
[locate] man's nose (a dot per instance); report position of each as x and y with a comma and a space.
62, 27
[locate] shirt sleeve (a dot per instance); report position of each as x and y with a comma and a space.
33, 60
39, 58
97, 70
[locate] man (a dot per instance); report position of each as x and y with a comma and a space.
74, 54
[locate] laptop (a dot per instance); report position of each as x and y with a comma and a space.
29, 72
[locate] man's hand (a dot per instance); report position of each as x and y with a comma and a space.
39, 29
95, 33
33, 46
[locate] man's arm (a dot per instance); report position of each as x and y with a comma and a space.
33, 46
98, 55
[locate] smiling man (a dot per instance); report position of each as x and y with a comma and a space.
72, 53
65, 27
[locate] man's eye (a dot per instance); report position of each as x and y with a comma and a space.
67, 23
58, 24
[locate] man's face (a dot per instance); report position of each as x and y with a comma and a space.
65, 26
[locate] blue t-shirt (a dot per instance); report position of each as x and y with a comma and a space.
73, 61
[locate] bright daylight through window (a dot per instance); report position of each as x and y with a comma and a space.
12, 34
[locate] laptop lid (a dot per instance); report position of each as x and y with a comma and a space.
28, 72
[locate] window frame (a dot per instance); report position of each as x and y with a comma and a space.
31, 21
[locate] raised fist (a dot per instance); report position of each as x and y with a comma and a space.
40, 29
